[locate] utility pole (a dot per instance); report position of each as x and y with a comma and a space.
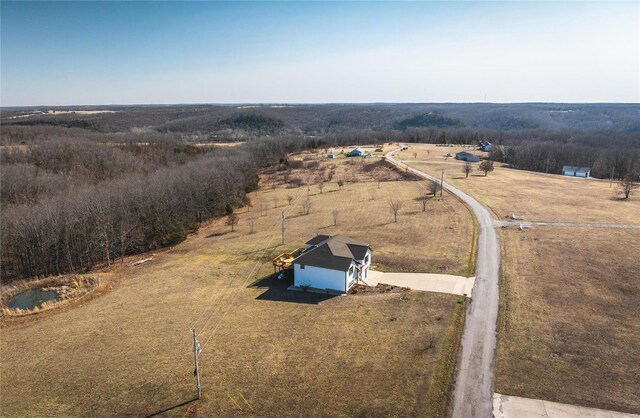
283, 219
441, 181
196, 372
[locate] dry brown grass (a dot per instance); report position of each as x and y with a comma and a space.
569, 327
538, 196
569, 324
128, 352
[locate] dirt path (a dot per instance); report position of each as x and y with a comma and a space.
473, 394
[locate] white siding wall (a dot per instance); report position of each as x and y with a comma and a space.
319, 278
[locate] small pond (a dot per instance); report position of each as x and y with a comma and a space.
31, 298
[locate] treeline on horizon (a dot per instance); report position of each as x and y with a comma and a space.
73, 198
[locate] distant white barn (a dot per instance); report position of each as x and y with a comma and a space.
332, 263
571, 171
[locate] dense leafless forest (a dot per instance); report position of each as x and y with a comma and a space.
86, 188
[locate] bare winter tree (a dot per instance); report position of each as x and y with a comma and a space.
394, 207
467, 168
486, 166
628, 184
433, 187
321, 185
273, 179
309, 183
340, 183
232, 220
250, 221
373, 193
415, 154
306, 206
289, 199
423, 201
334, 214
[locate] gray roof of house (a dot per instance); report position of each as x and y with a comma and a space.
578, 169
335, 252
463, 153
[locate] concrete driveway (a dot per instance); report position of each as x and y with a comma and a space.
505, 406
442, 283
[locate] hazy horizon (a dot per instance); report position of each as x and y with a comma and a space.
163, 53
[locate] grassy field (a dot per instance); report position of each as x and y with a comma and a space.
128, 352
569, 327
537, 196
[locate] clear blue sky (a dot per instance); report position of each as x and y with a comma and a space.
62, 53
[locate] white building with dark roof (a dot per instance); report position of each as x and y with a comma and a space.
332, 263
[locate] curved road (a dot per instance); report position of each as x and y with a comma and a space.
473, 393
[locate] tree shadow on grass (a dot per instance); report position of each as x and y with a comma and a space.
276, 290
217, 234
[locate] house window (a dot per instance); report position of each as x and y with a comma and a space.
350, 272
366, 259
302, 266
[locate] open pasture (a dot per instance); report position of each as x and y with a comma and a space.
265, 349
537, 196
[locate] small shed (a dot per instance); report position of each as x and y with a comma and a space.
485, 146
571, 171
467, 156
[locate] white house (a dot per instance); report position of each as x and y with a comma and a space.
576, 171
332, 263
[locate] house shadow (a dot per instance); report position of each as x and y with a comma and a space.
276, 290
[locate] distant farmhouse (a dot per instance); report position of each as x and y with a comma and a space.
485, 146
576, 171
356, 152
332, 263
467, 156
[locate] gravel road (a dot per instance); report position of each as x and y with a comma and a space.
473, 393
